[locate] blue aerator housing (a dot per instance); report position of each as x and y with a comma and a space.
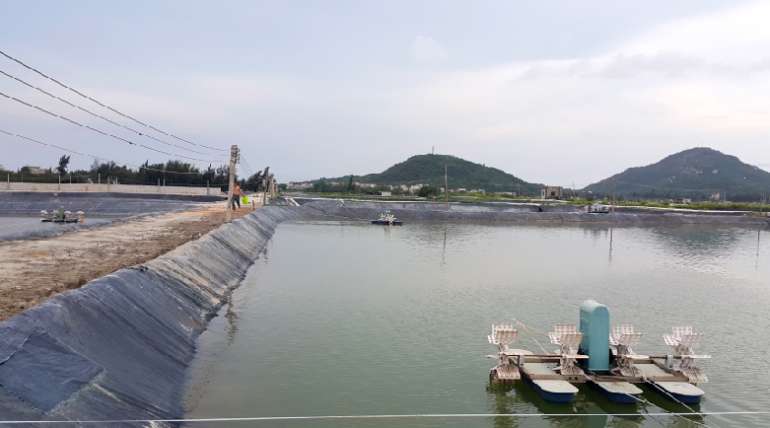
595, 326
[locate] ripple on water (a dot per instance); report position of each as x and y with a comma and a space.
353, 319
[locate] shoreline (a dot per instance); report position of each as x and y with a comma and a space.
520, 214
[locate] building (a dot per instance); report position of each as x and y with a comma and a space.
551, 192
364, 185
36, 170
414, 188
302, 185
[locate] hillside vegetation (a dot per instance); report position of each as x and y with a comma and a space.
695, 173
429, 169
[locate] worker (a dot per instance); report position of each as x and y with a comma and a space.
236, 196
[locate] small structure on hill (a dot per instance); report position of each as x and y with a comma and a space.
551, 192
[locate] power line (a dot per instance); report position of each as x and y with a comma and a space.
106, 119
94, 100
97, 158
385, 417
99, 131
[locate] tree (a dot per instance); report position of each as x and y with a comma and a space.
254, 183
350, 184
427, 191
64, 162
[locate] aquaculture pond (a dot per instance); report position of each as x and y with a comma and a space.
355, 319
23, 227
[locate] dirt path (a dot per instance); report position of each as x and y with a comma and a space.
33, 270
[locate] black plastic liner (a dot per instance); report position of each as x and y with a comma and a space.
99, 204
519, 213
119, 347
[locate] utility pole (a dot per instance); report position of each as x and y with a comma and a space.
234, 154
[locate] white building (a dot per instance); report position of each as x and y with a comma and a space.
301, 185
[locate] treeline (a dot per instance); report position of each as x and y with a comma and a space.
324, 185
171, 173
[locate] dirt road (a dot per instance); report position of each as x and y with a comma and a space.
33, 270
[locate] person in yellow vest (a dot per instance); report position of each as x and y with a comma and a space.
236, 196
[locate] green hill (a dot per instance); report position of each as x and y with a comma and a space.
695, 173
429, 169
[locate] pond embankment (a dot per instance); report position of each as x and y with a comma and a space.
523, 213
40, 260
119, 347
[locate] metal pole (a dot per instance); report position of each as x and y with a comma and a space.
231, 183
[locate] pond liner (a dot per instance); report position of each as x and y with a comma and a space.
410, 211
97, 204
120, 346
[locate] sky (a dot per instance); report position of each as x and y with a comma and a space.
557, 92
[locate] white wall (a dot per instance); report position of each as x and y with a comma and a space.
101, 188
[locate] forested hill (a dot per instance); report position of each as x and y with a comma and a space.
429, 169
696, 173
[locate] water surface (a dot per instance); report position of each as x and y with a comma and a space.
20, 227
347, 319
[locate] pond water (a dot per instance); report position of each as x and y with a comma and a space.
30, 227
353, 319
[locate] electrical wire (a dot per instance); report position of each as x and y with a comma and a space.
383, 417
104, 105
97, 115
97, 158
99, 131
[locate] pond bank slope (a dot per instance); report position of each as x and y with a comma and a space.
119, 347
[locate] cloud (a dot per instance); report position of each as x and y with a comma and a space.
427, 50
696, 81
701, 80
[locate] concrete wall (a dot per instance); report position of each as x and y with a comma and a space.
108, 188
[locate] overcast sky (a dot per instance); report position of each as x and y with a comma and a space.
553, 92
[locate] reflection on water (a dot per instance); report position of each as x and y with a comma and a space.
353, 319
759, 244
232, 322
611, 242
